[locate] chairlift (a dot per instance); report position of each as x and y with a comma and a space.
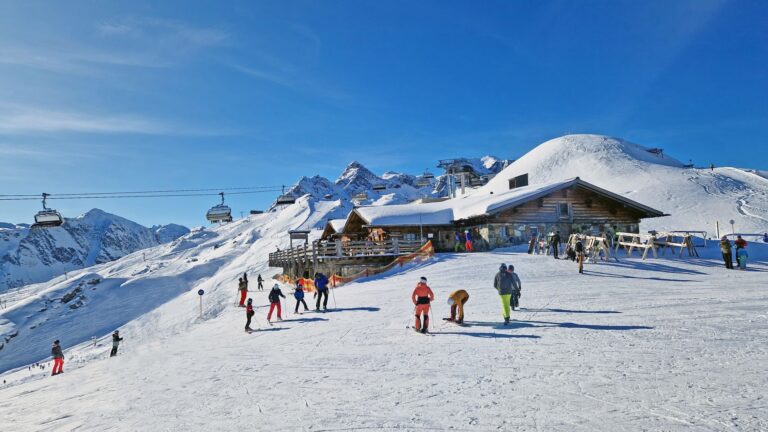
220, 212
285, 199
422, 182
379, 187
427, 175
47, 217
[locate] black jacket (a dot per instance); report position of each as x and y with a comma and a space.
274, 295
56, 352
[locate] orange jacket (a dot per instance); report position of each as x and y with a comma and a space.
422, 294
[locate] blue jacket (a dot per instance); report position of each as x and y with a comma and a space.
321, 282
299, 293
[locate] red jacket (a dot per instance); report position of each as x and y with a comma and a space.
249, 310
422, 294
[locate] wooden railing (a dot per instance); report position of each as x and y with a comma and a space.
343, 250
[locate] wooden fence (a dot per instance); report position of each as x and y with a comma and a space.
342, 250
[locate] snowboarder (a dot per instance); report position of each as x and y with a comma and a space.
116, 339
422, 296
532, 245
517, 287
249, 314
321, 286
457, 300
503, 284
579, 247
741, 257
58, 358
554, 242
274, 302
468, 244
725, 248
299, 296
261, 282
242, 286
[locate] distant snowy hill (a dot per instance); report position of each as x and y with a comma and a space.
35, 255
694, 197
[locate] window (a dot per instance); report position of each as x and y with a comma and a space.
563, 210
519, 181
409, 237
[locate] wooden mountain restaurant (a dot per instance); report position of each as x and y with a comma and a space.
490, 220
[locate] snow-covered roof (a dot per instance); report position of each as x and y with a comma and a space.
478, 203
337, 225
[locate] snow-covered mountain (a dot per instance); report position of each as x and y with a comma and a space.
35, 255
695, 198
399, 188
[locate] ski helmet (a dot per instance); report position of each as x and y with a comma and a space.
511, 267
503, 267
276, 286
423, 280
450, 301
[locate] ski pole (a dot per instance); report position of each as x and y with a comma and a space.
334, 297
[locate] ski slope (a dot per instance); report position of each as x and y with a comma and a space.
695, 198
664, 344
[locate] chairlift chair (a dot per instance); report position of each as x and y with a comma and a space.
285, 199
220, 212
428, 175
422, 182
47, 217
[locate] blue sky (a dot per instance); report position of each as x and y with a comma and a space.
105, 96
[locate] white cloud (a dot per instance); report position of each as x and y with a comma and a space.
16, 120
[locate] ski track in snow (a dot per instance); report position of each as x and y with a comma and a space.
665, 344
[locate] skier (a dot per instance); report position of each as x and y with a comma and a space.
261, 282
245, 279
580, 254
299, 296
570, 253
249, 314
555, 243
58, 358
457, 247
740, 243
422, 296
457, 300
517, 287
468, 244
243, 288
711, 167
321, 285
725, 248
503, 284
274, 302
741, 257
116, 339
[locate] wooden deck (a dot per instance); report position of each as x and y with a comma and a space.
340, 251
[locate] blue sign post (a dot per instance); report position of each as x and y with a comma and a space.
200, 293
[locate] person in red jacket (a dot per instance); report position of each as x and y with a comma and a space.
422, 296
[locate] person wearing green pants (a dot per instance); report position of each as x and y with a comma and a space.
504, 286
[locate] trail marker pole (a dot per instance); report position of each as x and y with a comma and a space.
200, 294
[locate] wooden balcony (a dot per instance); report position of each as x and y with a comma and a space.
343, 252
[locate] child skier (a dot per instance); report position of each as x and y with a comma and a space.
457, 300
58, 358
274, 302
517, 287
299, 296
116, 339
503, 284
741, 257
422, 296
243, 288
321, 285
249, 314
